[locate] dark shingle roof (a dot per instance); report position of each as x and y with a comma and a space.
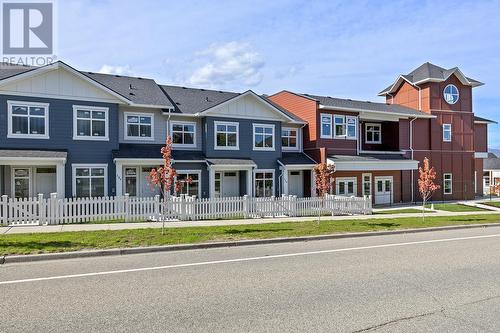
428, 71
296, 159
192, 100
138, 90
492, 162
366, 106
148, 151
480, 119
231, 161
7, 153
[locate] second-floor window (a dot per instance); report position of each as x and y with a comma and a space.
139, 126
326, 125
90, 123
28, 120
447, 132
183, 134
263, 137
345, 126
373, 133
226, 135
289, 138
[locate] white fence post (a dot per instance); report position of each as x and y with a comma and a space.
183, 216
52, 215
157, 208
41, 209
127, 207
246, 208
5, 215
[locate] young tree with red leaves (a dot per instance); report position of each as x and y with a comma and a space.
165, 176
426, 185
323, 173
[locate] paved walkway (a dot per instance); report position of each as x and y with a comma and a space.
184, 224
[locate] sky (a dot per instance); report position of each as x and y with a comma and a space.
346, 49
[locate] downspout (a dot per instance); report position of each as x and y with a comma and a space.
412, 153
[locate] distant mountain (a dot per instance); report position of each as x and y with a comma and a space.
495, 151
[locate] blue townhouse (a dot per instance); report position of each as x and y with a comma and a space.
81, 134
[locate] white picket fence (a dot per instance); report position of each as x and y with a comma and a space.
40, 210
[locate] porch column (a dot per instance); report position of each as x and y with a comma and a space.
211, 182
60, 180
313, 184
250, 182
284, 173
119, 178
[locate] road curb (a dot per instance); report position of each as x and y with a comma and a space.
169, 248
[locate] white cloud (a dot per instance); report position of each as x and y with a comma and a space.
116, 70
228, 63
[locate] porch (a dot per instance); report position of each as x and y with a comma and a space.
297, 176
230, 177
27, 173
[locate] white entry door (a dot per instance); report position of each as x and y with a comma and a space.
45, 181
230, 184
383, 190
296, 183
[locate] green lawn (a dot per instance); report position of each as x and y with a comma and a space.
449, 207
400, 211
492, 203
72, 241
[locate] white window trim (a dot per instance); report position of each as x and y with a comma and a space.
27, 136
379, 131
363, 183
227, 123
190, 172
322, 135
13, 178
451, 183
138, 114
296, 138
273, 148
444, 131
346, 179
77, 166
90, 108
184, 145
255, 171
345, 124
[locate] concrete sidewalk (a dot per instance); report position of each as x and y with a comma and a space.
184, 224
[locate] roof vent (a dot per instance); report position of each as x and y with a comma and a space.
207, 99
177, 103
131, 87
131, 94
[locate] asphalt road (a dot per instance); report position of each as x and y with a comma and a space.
447, 281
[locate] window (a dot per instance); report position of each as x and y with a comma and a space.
226, 135
367, 184
264, 183
90, 180
447, 132
346, 186
139, 126
90, 123
345, 127
451, 94
448, 183
263, 137
183, 133
373, 133
326, 126
28, 120
289, 138
131, 181
190, 188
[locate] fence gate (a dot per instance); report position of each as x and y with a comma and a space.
25, 211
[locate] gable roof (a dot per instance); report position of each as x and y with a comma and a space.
131, 90
197, 101
366, 106
483, 120
428, 72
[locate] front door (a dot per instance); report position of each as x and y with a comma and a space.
45, 181
21, 182
227, 184
296, 183
147, 190
383, 190
130, 181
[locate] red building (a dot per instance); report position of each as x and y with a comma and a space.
377, 147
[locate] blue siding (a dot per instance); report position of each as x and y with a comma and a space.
61, 136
